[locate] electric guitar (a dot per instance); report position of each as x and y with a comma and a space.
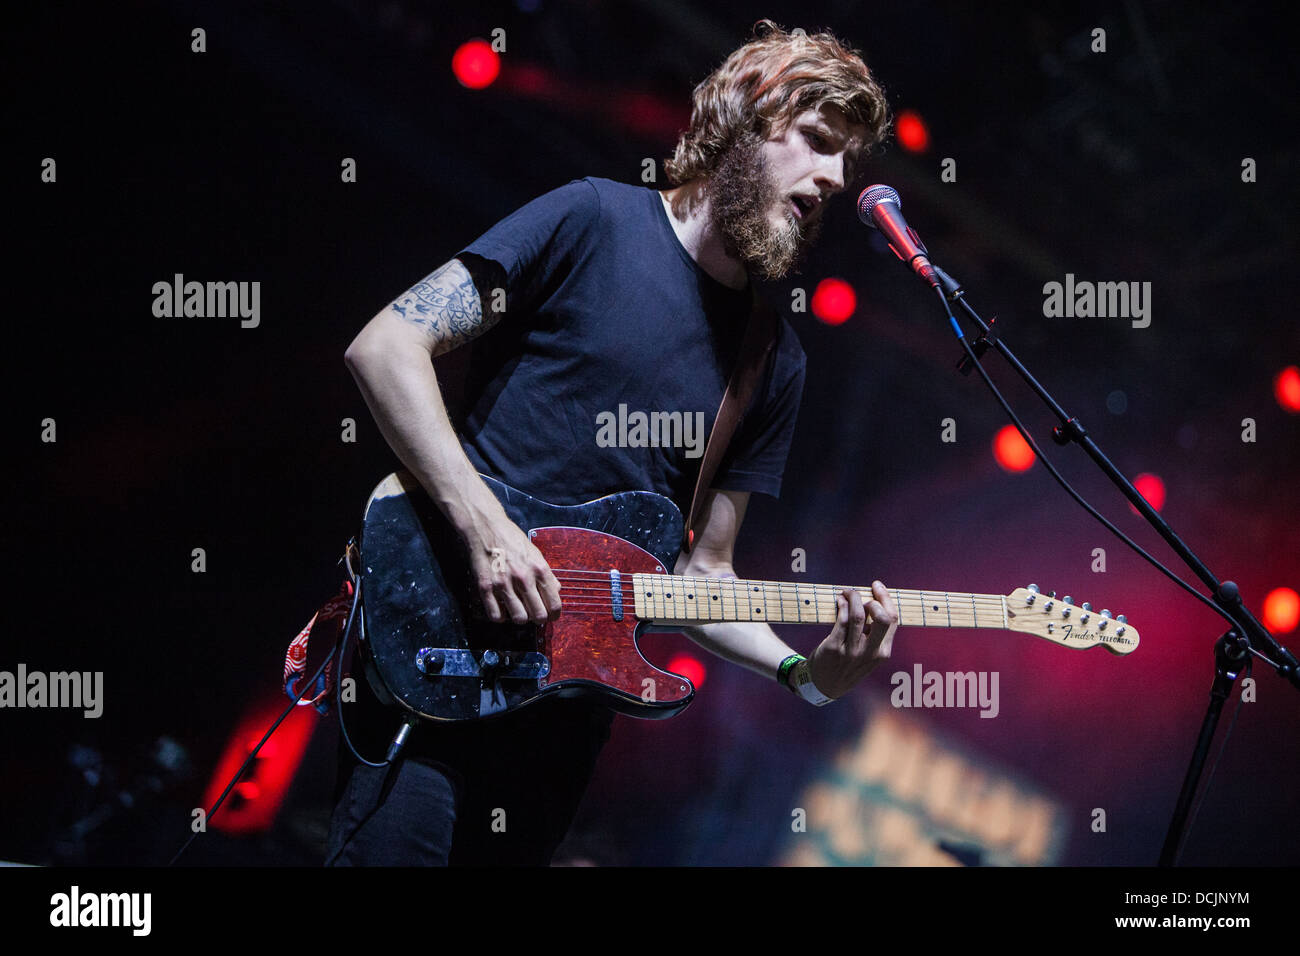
429, 647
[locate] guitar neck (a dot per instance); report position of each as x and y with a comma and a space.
689, 599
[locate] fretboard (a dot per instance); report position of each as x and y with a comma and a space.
678, 598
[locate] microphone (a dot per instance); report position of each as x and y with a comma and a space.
880, 208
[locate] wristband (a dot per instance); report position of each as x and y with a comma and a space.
801, 683
783, 672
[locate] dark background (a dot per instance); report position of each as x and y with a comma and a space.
183, 433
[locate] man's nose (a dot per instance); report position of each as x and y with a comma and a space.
831, 174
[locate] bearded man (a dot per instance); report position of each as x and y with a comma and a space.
615, 295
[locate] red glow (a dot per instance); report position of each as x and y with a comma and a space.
1281, 610
834, 301
253, 803
1011, 450
912, 133
688, 667
1151, 488
475, 64
1286, 387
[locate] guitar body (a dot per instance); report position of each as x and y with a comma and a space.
431, 648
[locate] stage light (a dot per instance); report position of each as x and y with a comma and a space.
1286, 388
690, 668
1281, 610
476, 64
255, 800
834, 301
1151, 488
1011, 450
912, 133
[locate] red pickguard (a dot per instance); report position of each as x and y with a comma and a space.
587, 644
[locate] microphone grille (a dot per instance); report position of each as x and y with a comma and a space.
872, 197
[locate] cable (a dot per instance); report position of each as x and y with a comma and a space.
310, 682
338, 684
1061, 480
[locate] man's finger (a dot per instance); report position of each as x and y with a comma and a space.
856, 620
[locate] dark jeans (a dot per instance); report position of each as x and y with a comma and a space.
500, 791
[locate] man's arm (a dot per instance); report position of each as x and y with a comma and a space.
850, 651
391, 360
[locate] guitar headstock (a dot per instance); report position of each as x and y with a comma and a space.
1061, 621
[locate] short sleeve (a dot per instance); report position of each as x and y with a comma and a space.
539, 242
757, 456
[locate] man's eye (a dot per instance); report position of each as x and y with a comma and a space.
815, 139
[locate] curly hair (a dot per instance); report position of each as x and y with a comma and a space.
764, 84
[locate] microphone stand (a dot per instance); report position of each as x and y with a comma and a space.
1246, 636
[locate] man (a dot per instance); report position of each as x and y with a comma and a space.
615, 295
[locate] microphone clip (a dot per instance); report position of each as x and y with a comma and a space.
986, 340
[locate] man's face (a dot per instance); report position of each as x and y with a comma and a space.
769, 196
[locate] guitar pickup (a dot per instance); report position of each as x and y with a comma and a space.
489, 664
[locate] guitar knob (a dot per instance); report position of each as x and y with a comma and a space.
428, 661
1084, 619
1047, 607
491, 660
1066, 612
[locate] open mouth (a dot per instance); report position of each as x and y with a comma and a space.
802, 206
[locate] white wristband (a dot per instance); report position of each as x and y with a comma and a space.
801, 683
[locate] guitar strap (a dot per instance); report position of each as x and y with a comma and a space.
755, 353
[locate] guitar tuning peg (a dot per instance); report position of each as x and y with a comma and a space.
1067, 600
1122, 619
1105, 612
1087, 606
1051, 594
1034, 588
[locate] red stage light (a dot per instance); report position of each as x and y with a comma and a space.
834, 301
1011, 450
1286, 388
912, 133
254, 802
1281, 610
1151, 488
690, 668
475, 64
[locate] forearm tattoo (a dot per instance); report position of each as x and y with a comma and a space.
446, 305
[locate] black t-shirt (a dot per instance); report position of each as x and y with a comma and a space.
607, 316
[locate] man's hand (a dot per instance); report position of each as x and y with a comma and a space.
862, 638
512, 577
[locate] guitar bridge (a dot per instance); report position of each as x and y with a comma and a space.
488, 664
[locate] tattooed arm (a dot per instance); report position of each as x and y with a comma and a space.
391, 362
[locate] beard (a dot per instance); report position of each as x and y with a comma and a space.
742, 194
